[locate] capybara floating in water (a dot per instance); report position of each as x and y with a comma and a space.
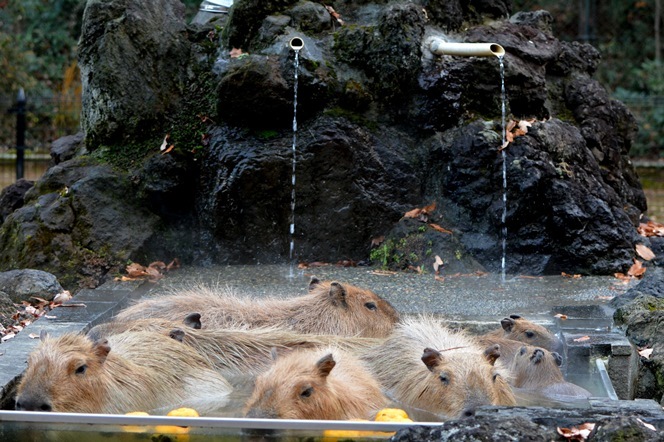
518, 328
426, 365
538, 370
234, 351
325, 383
128, 372
328, 308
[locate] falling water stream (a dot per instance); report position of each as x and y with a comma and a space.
292, 220
503, 218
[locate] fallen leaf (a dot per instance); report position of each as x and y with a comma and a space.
440, 229
567, 275
646, 352
164, 144
334, 14
375, 242
413, 213
62, 297
170, 148
637, 270
579, 433
438, 262
647, 425
135, 270
560, 316
175, 264
33, 336
7, 337
651, 228
383, 272
644, 252
582, 339
439, 278
236, 53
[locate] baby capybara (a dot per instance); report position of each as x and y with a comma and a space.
233, 351
518, 328
325, 383
329, 308
538, 369
426, 365
135, 371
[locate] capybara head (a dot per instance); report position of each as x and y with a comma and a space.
460, 381
364, 312
315, 384
63, 375
534, 367
518, 328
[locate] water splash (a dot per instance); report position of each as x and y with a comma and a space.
503, 218
292, 218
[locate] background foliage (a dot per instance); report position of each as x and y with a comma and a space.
38, 42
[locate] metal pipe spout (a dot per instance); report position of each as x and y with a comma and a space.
438, 46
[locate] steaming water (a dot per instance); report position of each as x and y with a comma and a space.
504, 160
292, 220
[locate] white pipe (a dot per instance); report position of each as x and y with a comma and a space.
438, 46
296, 43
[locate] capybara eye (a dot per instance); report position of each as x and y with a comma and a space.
307, 392
81, 369
444, 378
530, 334
371, 305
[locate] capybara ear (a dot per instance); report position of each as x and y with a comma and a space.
515, 316
431, 358
43, 335
337, 294
491, 353
177, 334
101, 350
193, 320
507, 324
325, 365
313, 282
557, 358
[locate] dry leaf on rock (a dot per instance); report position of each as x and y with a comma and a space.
439, 228
567, 275
560, 316
646, 352
651, 228
579, 433
644, 252
582, 339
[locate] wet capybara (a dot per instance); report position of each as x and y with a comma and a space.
325, 383
234, 351
134, 371
426, 365
538, 369
329, 308
518, 328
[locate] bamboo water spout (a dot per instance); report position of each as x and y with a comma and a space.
438, 46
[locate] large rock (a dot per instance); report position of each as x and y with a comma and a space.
21, 285
133, 57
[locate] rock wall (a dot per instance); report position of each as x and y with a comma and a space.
383, 127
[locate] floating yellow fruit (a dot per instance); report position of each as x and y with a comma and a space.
392, 415
183, 412
180, 433
136, 428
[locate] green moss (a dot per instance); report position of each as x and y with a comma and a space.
353, 117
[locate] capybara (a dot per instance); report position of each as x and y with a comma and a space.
134, 371
518, 328
234, 351
538, 369
329, 308
325, 383
426, 365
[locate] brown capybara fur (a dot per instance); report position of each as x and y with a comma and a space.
538, 369
329, 308
325, 383
518, 328
136, 371
234, 351
426, 365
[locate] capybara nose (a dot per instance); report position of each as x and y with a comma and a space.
468, 412
32, 405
